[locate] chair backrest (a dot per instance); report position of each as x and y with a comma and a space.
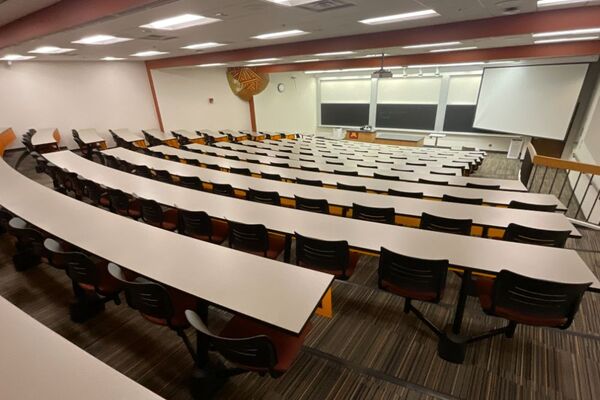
261, 196
80, 268
256, 353
532, 207
400, 193
25, 234
442, 173
541, 237
309, 182
224, 189
213, 166
194, 223
314, 205
77, 184
349, 173
151, 139
421, 180
536, 298
462, 200
406, 275
446, 225
119, 201
248, 237
278, 164
152, 212
230, 157
241, 171
163, 176
142, 170
386, 177
384, 215
324, 255
190, 182
416, 164
480, 186
111, 161
192, 161
305, 168
273, 177
353, 188
93, 190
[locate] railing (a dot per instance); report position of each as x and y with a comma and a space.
575, 184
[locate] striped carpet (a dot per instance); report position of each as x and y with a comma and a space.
368, 350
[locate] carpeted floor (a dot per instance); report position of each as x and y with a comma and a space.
368, 350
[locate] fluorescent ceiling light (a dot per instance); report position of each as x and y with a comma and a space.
546, 3
400, 17
257, 64
262, 60
454, 49
292, 3
149, 53
16, 57
466, 64
211, 65
336, 78
573, 32
112, 59
101, 40
423, 46
502, 62
574, 39
335, 53
374, 55
202, 46
50, 50
279, 35
307, 60
180, 22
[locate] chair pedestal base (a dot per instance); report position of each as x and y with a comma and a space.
206, 383
82, 310
452, 347
25, 260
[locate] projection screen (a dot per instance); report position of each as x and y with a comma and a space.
536, 100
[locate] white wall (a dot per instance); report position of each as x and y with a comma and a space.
67, 95
183, 97
294, 110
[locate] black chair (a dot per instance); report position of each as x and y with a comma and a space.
400, 193
532, 207
96, 193
313, 205
416, 164
462, 200
153, 214
309, 182
240, 171
383, 162
5, 216
142, 170
29, 245
190, 182
120, 204
413, 279
334, 162
273, 177
446, 225
151, 139
366, 166
224, 189
278, 164
402, 170
348, 173
427, 181
255, 239
253, 161
382, 215
172, 157
264, 197
524, 234
480, 186
158, 304
213, 166
442, 173
162, 175
386, 177
352, 188
282, 156
199, 225
330, 256
229, 157
192, 161
312, 169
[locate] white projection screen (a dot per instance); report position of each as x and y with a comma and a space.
536, 100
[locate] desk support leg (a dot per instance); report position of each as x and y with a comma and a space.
452, 346
462, 300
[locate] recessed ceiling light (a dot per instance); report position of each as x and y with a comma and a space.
211, 65
572, 32
454, 49
574, 39
261, 60
50, 50
16, 57
546, 3
335, 53
426, 45
279, 35
308, 60
180, 22
113, 59
149, 53
292, 3
201, 46
101, 40
257, 64
400, 17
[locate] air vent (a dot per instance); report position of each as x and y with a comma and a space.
326, 5
157, 37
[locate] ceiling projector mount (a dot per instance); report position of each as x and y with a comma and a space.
382, 73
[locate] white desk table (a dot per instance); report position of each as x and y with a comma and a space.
45, 137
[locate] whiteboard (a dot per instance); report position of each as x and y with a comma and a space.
536, 100
409, 91
346, 91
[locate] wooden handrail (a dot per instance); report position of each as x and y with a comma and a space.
6, 138
559, 163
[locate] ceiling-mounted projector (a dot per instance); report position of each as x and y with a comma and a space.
382, 72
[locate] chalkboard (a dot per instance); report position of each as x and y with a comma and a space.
345, 114
406, 116
459, 118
